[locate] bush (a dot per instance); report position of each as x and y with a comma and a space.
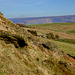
33, 32
50, 36
56, 37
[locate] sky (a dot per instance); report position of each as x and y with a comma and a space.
36, 8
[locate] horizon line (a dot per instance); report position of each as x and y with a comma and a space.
42, 16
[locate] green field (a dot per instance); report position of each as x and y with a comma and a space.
67, 40
58, 27
65, 30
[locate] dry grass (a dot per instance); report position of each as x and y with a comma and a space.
67, 47
61, 29
30, 59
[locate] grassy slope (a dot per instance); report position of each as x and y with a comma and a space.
67, 47
63, 28
23, 61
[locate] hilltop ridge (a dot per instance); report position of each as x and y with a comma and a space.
42, 20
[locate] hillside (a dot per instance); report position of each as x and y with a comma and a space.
24, 53
66, 32
42, 20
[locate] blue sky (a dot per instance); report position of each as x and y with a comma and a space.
36, 8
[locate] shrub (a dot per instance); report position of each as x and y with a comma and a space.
56, 37
50, 36
33, 32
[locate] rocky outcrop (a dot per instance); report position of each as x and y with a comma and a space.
17, 40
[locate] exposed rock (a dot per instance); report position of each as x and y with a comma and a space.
50, 46
17, 40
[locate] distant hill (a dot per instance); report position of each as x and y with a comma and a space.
42, 20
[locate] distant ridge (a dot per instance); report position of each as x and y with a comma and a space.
42, 20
